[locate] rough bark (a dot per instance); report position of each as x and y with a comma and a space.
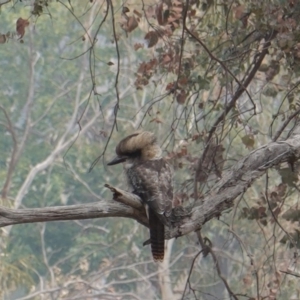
234, 182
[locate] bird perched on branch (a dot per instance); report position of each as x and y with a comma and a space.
151, 179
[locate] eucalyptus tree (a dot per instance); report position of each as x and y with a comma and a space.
217, 82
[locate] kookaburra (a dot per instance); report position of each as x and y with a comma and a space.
150, 176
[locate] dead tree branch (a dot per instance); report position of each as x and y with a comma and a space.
234, 182
102, 209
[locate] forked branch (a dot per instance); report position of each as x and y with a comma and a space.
234, 182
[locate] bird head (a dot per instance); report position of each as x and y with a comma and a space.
137, 146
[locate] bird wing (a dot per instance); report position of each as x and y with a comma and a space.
152, 181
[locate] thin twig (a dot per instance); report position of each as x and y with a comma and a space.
207, 248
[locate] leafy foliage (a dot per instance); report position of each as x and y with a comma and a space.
213, 79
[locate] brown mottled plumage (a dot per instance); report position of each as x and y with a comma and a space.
151, 178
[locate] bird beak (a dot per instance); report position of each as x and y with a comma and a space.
117, 160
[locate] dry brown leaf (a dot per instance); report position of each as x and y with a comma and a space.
239, 11
137, 13
2, 38
103, 133
172, 19
183, 151
286, 25
132, 23
152, 38
137, 46
159, 13
128, 24
291, 3
125, 10
166, 58
177, 9
241, 14
174, 25
21, 24
181, 97
192, 13
147, 67
171, 86
183, 81
195, 137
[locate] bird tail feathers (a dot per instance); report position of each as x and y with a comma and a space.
157, 236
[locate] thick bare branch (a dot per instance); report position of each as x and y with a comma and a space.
102, 209
237, 181
221, 197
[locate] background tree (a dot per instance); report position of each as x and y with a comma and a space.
217, 82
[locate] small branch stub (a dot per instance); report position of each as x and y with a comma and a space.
126, 198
